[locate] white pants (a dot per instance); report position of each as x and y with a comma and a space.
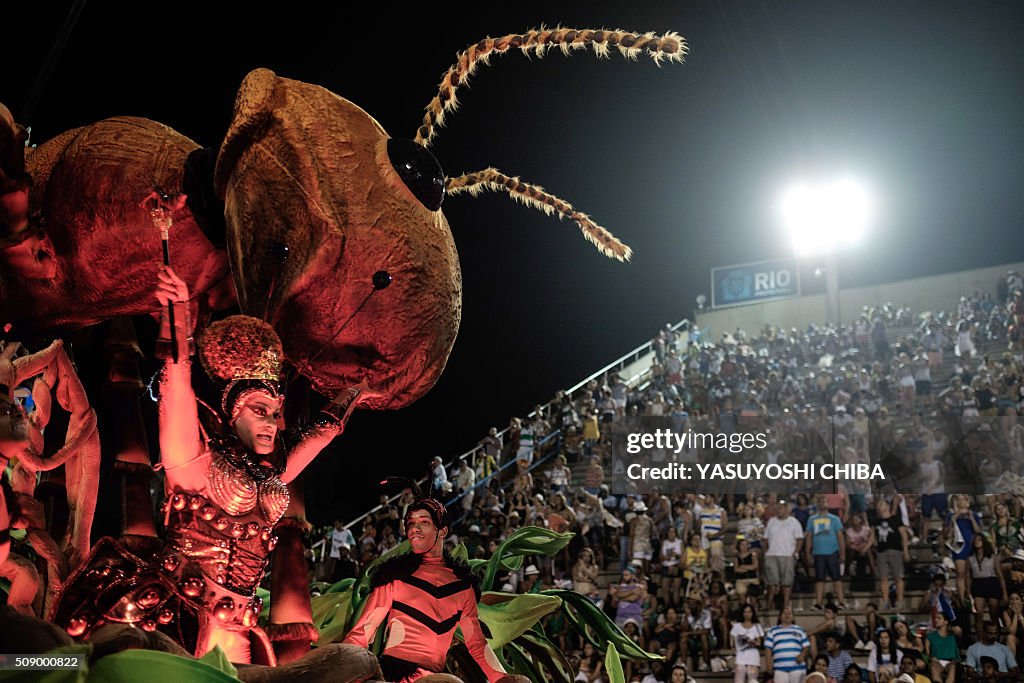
790, 676
745, 673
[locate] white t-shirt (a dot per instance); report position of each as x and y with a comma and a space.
747, 653
676, 548
338, 538
782, 536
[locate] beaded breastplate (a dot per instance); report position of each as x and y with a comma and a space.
227, 535
237, 484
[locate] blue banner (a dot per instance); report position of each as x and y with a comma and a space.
754, 282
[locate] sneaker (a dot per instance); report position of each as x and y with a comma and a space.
817, 608
915, 540
842, 606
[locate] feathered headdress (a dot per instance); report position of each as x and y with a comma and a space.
244, 352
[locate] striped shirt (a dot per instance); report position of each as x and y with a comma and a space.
786, 643
711, 523
837, 665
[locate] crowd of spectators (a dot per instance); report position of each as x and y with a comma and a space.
710, 581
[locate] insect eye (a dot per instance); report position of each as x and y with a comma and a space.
419, 170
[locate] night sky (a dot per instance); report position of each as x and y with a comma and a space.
922, 101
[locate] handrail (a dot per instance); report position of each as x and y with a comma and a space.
512, 462
631, 356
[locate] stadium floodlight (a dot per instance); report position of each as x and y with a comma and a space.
823, 216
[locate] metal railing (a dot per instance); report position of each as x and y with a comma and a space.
484, 485
616, 365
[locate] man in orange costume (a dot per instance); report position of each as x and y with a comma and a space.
423, 596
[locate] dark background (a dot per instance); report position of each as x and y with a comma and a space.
923, 101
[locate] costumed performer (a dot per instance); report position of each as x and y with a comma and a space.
422, 597
224, 494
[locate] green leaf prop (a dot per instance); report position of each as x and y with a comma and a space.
507, 616
330, 615
131, 666
460, 552
592, 623
529, 540
218, 660
340, 587
613, 665
548, 657
521, 662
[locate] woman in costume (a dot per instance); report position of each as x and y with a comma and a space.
224, 495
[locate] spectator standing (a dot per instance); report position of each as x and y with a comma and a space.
627, 597
585, 573
559, 475
933, 343
713, 520
783, 535
438, 475
965, 340
490, 448
1006, 531
959, 531
746, 636
340, 536
466, 482
594, 476
747, 571
825, 544
527, 436
860, 542
671, 553
787, 646
893, 551
988, 587
641, 533
880, 338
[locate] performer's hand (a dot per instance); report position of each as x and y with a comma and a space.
169, 287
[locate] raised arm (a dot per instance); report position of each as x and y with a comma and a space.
329, 424
180, 447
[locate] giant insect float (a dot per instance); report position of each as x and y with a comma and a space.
308, 216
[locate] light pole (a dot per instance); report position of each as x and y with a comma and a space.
822, 218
